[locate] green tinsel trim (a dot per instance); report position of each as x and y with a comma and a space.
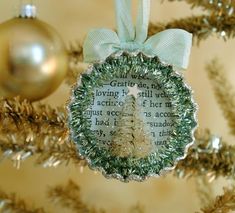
127, 168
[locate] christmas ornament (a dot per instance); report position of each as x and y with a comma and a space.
33, 57
131, 115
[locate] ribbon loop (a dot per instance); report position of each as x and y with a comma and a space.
99, 44
172, 46
125, 28
142, 21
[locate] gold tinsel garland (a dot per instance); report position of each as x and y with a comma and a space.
221, 24
69, 197
10, 203
27, 129
66, 196
75, 53
208, 159
202, 27
33, 129
215, 6
224, 92
222, 204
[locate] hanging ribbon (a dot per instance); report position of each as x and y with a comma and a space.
172, 46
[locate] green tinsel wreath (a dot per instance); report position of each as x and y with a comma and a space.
128, 168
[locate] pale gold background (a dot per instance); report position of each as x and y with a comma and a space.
73, 18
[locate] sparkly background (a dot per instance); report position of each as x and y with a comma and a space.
72, 19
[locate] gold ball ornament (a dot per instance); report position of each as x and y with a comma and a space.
33, 59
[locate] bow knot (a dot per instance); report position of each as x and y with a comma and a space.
171, 46
131, 46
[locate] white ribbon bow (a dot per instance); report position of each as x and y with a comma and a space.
172, 46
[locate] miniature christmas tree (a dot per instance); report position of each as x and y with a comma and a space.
131, 138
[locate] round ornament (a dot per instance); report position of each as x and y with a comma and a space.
131, 114
132, 117
33, 57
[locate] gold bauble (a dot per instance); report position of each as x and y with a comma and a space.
33, 59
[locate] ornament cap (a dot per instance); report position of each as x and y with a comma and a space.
28, 11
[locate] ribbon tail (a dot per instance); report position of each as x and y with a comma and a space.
99, 44
172, 46
125, 28
142, 21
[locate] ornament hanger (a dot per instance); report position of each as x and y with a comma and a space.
101, 43
27, 9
